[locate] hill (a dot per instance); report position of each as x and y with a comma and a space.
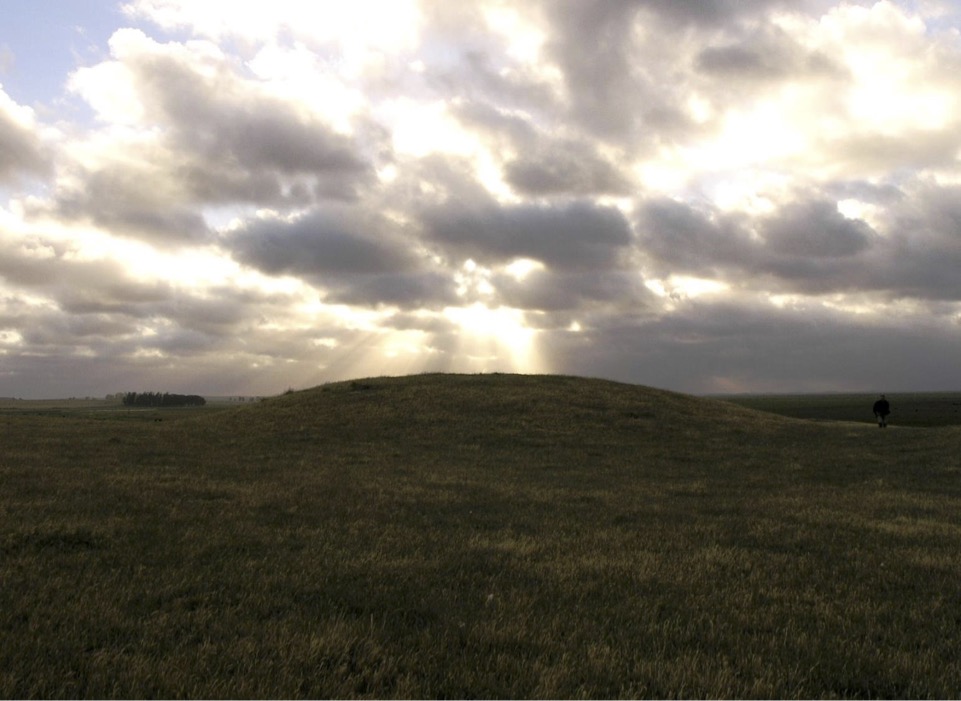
481, 536
494, 412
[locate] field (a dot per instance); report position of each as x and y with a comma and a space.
918, 409
478, 536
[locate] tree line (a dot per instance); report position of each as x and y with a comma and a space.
165, 399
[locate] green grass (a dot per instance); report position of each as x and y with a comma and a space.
477, 536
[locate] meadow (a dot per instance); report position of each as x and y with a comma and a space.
485, 536
916, 409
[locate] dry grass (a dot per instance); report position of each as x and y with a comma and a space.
477, 536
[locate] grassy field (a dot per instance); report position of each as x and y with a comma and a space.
919, 409
477, 536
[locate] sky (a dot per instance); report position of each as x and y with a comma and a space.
223, 197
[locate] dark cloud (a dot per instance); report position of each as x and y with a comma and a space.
626, 78
808, 247
565, 168
131, 200
609, 91
914, 255
413, 290
576, 236
707, 12
331, 241
694, 240
545, 164
116, 294
355, 256
741, 346
737, 61
763, 53
213, 112
573, 292
815, 229
21, 151
923, 245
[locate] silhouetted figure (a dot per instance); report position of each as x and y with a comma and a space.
881, 410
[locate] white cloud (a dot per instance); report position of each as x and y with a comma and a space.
360, 33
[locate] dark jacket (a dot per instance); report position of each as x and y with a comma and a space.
882, 408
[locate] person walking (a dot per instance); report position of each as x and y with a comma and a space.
881, 410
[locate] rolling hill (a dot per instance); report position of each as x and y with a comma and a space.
481, 536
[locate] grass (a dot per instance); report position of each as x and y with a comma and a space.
477, 536
918, 409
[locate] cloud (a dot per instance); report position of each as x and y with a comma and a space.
809, 247
697, 240
874, 154
631, 76
230, 121
739, 345
572, 168
699, 195
136, 199
22, 153
355, 256
763, 55
923, 248
49, 266
574, 236
806, 246
332, 241
569, 295
196, 133
815, 230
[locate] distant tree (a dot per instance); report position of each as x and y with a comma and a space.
156, 399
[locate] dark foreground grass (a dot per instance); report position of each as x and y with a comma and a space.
478, 536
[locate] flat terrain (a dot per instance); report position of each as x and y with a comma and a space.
477, 536
919, 409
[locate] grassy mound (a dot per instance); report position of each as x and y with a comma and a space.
482, 536
495, 414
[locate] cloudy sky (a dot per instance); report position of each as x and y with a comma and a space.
226, 197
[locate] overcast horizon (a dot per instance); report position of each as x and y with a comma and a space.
235, 198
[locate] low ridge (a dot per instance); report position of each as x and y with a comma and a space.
461, 422
547, 410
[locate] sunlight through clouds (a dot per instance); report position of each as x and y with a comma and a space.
525, 40
425, 128
263, 195
495, 339
298, 75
